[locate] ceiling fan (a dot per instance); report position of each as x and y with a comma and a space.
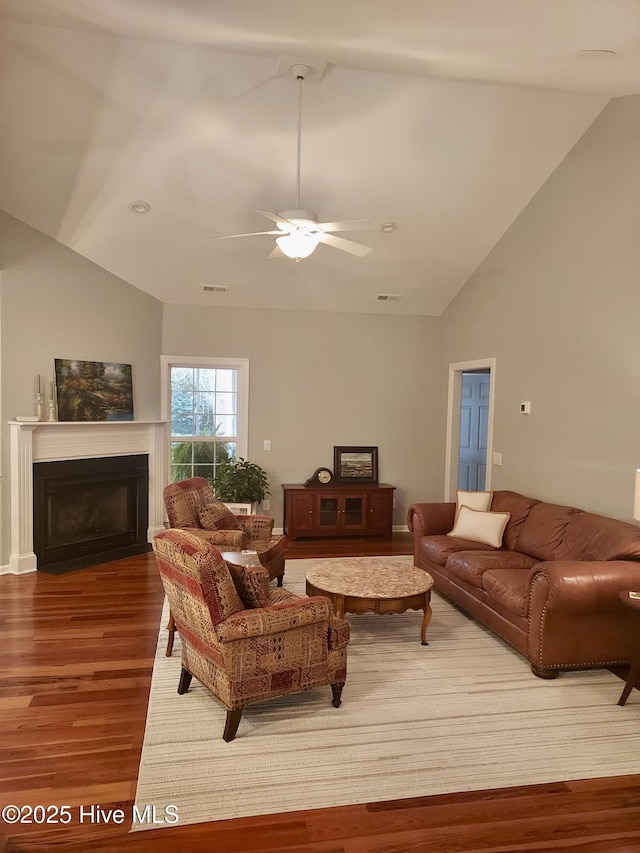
298, 231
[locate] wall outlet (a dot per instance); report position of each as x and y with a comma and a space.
266, 504
267, 444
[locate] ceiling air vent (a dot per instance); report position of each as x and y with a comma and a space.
388, 297
216, 288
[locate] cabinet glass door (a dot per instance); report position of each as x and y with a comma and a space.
353, 512
328, 516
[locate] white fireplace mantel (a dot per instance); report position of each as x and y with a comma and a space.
50, 441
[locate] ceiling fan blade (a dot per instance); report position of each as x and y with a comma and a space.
276, 252
252, 234
346, 245
350, 225
275, 217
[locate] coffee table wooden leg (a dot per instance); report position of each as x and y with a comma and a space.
426, 618
339, 605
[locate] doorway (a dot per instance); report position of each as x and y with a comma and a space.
469, 426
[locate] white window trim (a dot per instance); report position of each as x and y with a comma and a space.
240, 364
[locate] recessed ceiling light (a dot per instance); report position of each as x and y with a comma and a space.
139, 206
596, 54
388, 227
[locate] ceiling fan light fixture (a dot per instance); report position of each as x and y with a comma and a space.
298, 245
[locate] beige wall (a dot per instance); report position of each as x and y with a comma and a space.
557, 302
56, 304
324, 379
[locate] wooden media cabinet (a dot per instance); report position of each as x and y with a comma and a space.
338, 510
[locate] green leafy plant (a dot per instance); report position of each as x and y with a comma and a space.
240, 481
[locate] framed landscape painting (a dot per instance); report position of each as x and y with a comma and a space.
93, 390
356, 464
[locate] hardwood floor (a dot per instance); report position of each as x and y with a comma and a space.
77, 659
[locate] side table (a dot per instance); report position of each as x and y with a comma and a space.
634, 665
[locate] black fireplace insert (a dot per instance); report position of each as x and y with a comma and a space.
89, 511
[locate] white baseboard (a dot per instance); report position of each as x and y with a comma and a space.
7, 569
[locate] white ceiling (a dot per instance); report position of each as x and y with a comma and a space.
445, 116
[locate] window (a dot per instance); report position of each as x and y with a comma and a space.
206, 400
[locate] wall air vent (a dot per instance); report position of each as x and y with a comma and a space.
216, 288
389, 297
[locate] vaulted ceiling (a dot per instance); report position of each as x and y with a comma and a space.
442, 116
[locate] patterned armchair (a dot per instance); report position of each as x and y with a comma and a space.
191, 505
242, 640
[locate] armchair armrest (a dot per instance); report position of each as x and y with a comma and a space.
274, 619
581, 586
257, 526
339, 633
223, 539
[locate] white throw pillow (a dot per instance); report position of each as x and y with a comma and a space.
485, 527
474, 500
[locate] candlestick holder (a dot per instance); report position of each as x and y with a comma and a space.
52, 410
39, 406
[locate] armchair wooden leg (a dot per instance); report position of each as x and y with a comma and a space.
171, 628
336, 689
185, 681
280, 579
232, 723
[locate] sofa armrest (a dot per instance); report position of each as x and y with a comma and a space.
274, 619
429, 520
581, 586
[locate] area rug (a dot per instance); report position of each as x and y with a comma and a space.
463, 713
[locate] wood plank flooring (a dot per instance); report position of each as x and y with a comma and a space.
76, 670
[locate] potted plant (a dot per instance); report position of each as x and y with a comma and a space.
240, 481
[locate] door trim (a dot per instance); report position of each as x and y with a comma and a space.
454, 399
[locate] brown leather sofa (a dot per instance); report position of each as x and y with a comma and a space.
551, 590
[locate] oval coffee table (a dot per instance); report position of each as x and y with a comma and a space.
377, 586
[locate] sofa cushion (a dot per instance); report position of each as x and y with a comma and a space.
544, 529
594, 537
438, 548
508, 588
485, 527
519, 506
470, 566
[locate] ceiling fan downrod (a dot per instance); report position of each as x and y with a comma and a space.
300, 73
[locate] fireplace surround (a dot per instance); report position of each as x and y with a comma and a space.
49, 441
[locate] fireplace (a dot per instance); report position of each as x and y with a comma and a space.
68, 441
89, 511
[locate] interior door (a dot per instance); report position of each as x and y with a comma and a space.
474, 420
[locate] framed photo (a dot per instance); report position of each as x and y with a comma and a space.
355, 464
93, 390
